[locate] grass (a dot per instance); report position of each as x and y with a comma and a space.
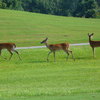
91, 96
33, 77
28, 29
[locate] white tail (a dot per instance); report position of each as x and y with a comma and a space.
10, 47
93, 44
55, 47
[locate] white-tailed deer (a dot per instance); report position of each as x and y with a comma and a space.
10, 47
55, 47
93, 44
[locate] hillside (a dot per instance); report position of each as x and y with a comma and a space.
28, 29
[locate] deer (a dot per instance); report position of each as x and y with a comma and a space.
55, 47
10, 47
93, 44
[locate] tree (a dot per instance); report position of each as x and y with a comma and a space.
90, 13
85, 8
2, 5
13, 4
78, 8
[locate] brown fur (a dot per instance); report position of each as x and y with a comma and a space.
93, 44
55, 47
7, 45
62, 46
10, 47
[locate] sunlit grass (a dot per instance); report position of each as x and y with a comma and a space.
28, 29
34, 76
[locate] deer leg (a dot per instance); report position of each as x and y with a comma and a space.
93, 51
0, 52
71, 54
17, 54
54, 56
67, 54
48, 55
10, 53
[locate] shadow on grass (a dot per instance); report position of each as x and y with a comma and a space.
37, 61
86, 58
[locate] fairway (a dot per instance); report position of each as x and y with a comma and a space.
33, 78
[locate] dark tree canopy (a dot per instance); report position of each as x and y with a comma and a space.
78, 8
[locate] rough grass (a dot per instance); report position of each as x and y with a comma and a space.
28, 29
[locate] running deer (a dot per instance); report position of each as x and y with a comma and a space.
55, 47
93, 44
10, 47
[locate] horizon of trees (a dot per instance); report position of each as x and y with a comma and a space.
76, 8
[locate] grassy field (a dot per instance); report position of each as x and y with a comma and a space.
34, 78
28, 29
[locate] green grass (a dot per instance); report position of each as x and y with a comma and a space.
91, 96
28, 29
33, 77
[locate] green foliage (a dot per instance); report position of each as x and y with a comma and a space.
13, 4
90, 13
85, 8
98, 1
2, 5
56, 7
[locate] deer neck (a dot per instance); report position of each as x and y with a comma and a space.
90, 39
91, 42
46, 44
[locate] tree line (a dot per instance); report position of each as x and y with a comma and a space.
77, 8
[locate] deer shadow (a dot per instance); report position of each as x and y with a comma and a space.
37, 61
84, 58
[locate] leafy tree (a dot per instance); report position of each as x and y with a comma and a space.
85, 8
2, 5
78, 8
98, 1
90, 13
13, 4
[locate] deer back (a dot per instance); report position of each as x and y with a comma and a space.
95, 43
7, 45
55, 47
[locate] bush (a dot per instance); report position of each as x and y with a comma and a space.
2, 5
90, 13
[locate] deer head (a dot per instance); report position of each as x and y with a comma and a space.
44, 41
90, 35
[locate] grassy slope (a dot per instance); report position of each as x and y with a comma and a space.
28, 29
33, 76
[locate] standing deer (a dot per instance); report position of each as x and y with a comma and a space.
55, 47
93, 44
10, 47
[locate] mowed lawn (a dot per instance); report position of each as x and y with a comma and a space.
28, 29
35, 78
